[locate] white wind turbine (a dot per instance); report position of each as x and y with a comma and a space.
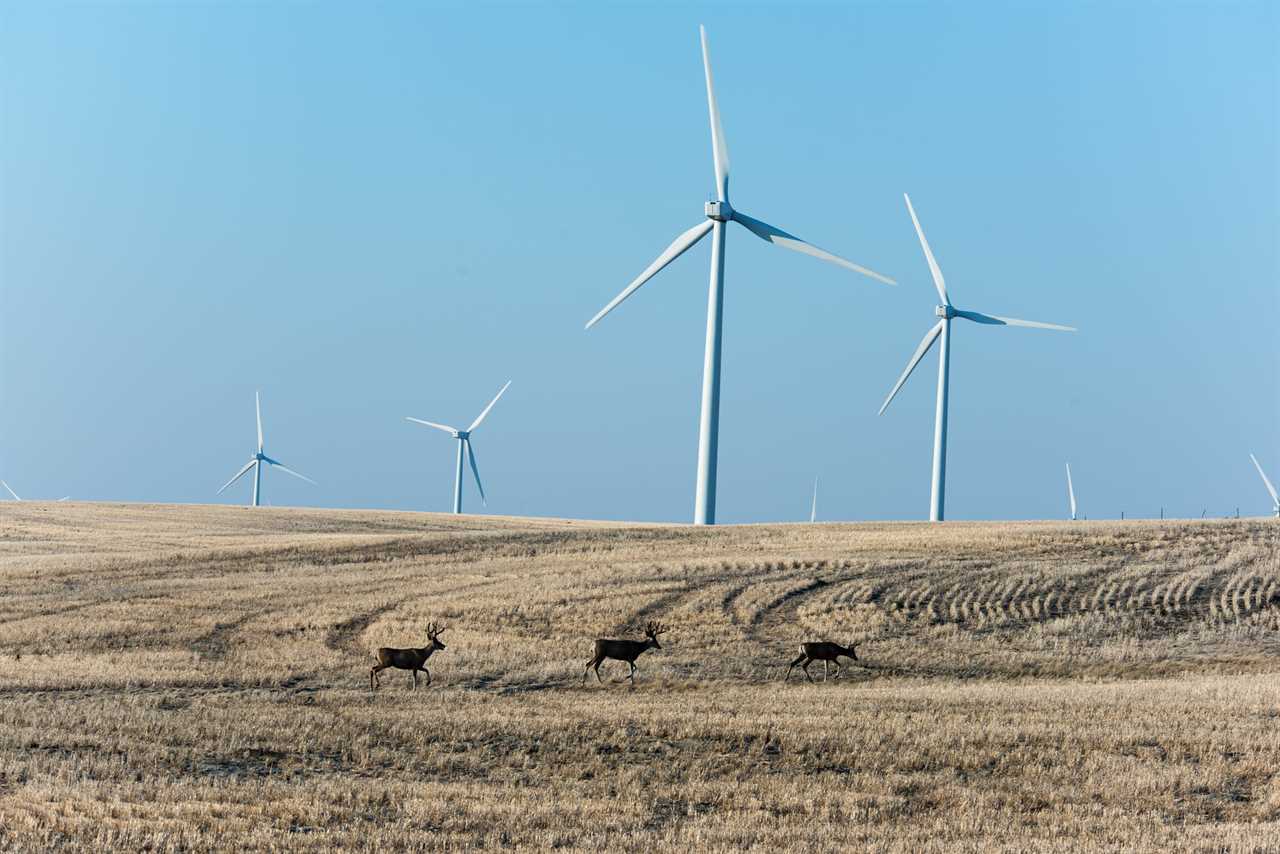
9, 489
464, 448
813, 508
1071, 493
945, 313
256, 461
718, 215
1275, 499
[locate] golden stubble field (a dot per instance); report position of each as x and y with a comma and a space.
184, 678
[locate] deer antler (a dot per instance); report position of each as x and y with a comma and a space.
433, 629
655, 628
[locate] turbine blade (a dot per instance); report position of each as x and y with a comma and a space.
993, 320
257, 405
65, 498
238, 475
671, 253
288, 470
925, 344
471, 456
1071, 492
476, 423
9, 489
719, 150
1275, 498
445, 427
781, 238
938, 281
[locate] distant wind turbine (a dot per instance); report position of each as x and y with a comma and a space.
1071, 493
256, 461
945, 313
1275, 499
9, 489
464, 448
813, 508
718, 215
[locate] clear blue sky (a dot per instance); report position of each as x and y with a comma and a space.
390, 210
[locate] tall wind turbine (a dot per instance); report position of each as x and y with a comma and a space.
942, 328
718, 215
1071, 493
813, 508
1275, 499
257, 460
464, 448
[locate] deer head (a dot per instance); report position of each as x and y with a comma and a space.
433, 635
853, 651
652, 630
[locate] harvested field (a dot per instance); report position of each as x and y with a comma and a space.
197, 677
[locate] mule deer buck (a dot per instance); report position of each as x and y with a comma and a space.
624, 650
827, 653
407, 659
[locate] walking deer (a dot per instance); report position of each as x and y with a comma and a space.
623, 650
407, 659
827, 653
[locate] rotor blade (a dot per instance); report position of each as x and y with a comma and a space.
476, 423
781, 238
257, 404
671, 253
719, 150
1256, 465
928, 254
992, 320
239, 475
65, 498
471, 456
446, 428
925, 344
16, 498
1071, 491
288, 470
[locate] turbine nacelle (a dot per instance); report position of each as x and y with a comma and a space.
461, 434
944, 311
719, 211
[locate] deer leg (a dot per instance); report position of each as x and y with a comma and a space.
374, 681
414, 674
837, 664
805, 667
428, 675
598, 663
792, 667
632, 674
826, 669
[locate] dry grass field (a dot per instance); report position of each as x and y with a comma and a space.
197, 677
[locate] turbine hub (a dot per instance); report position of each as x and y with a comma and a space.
719, 211
461, 434
944, 311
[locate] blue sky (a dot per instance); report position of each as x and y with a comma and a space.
390, 210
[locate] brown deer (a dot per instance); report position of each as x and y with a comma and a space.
407, 659
827, 653
624, 650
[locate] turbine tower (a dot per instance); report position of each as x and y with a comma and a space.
813, 508
464, 448
942, 328
718, 216
257, 460
1071, 493
1275, 499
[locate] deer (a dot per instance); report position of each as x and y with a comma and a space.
827, 653
407, 659
623, 650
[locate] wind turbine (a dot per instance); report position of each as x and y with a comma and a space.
1275, 499
9, 489
942, 328
813, 508
256, 461
464, 447
718, 215
1071, 493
